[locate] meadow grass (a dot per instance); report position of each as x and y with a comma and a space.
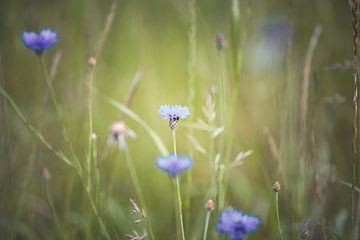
78, 163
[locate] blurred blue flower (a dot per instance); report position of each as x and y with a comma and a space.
174, 112
174, 165
38, 42
236, 223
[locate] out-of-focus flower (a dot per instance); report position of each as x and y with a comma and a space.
173, 164
119, 132
276, 186
38, 42
236, 223
174, 113
209, 205
45, 173
269, 47
220, 41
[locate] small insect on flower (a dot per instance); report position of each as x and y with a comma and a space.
174, 113
236, 223
173, 164
38, 42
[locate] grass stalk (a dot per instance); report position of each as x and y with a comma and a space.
191, 63
138, 189
32, 129
278, 214
355, 103
53, 210
179, 208
181, 231
207, 220
59, 113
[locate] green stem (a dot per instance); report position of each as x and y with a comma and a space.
32, 129
277, 213
179, 207
59, 113
90, 120
207, 219
174, 141
51, 205
138, 190
212, 166
178, 195
98, 217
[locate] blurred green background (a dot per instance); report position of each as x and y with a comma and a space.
152, 36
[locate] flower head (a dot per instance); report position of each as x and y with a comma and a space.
38, 42
119, 132
173, 164
174, 113
236, 223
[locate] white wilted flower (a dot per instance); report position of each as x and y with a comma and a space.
119, 131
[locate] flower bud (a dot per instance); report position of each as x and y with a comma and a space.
209, 206
276, 186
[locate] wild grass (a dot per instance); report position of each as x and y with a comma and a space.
266, 105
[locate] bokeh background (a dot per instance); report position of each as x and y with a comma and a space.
313, 163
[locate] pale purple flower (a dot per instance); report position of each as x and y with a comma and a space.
173, 164
38, 42
236, 223
174, 112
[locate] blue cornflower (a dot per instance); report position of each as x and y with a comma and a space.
173, 113
173, 164
236, 223
38, 42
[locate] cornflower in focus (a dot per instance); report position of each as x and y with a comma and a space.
174, 113
236, 223
173, 164
119, 131
38, 42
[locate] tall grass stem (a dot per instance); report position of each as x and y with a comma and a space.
138, 189
207, 220
278, 214
52, 207
181, 231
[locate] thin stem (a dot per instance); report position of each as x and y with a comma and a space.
59, 113
207, 219
32, 129
174, 141
90, 122
138, 190
51, 205
98, 217
179, 208
277, 213
178, 195
212, 170
355, 103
